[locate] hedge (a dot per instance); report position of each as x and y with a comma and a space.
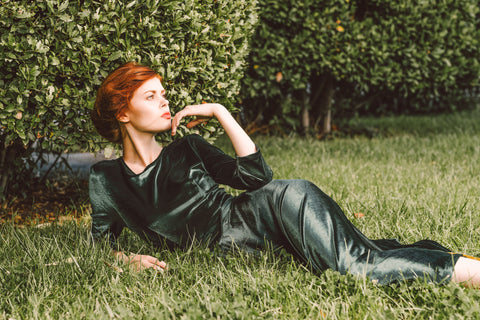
55, 54
376, 54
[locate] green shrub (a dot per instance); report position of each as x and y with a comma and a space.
380, 55
56, 53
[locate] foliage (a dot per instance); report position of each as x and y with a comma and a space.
410, 183
379, 55
55, 54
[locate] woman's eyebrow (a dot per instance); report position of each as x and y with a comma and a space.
162, 92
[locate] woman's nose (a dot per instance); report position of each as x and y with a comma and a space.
164, 103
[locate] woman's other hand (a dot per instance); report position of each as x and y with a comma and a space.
138, 262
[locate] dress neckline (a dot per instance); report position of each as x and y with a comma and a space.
132, 173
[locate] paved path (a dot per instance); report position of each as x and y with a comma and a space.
79, 162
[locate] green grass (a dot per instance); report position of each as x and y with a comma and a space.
418, 178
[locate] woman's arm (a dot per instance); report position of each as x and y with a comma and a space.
241, 142
139, 262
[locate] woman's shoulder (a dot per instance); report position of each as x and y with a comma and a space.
105, 166
189, 141
188, 148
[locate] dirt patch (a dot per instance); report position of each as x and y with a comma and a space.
61, 199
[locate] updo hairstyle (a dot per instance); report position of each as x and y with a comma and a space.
114, 96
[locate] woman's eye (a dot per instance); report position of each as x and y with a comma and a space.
150, 97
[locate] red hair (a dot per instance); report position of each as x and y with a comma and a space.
114, 96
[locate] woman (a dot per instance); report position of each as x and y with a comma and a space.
171, 195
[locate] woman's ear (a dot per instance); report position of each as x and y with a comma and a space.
122, 116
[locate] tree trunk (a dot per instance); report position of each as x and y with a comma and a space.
305, 119
323, 106
327, 122
317, 104
3, 173
306, 112
7, 156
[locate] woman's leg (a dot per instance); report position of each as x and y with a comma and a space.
467, 272
297, 215
322, 235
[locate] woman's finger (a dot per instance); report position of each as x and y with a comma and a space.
195, 122
152, 262
151, 259
176, 122
162, 265
159, 266
155, 262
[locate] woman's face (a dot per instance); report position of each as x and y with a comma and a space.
148, 110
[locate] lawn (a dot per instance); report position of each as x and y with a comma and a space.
413, 178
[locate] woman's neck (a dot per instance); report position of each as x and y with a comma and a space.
140, 151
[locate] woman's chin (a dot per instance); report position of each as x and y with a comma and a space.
165, 128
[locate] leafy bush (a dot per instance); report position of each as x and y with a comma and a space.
56, 53
376, 54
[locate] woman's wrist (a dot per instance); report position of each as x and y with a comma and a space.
121, 256
219, 111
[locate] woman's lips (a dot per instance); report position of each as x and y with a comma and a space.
167, 115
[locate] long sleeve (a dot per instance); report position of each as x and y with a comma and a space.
104, 222
245, 173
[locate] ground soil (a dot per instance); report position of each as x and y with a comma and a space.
60, 199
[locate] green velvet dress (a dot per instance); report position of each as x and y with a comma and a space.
177, 199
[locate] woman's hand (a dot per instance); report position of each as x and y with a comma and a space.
203, 112
139, 262
241, 142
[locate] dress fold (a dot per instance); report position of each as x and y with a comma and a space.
311, 226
